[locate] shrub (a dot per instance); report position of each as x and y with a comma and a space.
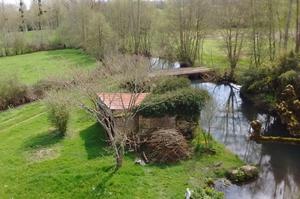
207, 193
171, 84
58, 112
272, 80
186, 102
288, 77
13, 92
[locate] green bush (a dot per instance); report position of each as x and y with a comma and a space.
186, 102
171, 84
58, 112
272, 80
207, 193
288, 77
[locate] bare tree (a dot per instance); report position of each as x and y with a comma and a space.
288, 24
189, 19
116, 71
297, 27
233, 24
271, 29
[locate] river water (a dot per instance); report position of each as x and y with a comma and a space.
228, 119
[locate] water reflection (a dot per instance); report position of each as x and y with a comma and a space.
158, 64
279, 163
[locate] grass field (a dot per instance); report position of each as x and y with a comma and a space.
214, 56
35, 163
36, 66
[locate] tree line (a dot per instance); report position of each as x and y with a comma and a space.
260, 30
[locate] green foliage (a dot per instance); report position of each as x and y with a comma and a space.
287, 63
171, 84
203, 142
186, 102
207, 193
288, 77
270, 81
100, 38
58, 112
258, 80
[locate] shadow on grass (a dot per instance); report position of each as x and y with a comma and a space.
43, 140
94, 140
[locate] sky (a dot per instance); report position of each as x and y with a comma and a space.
27, 2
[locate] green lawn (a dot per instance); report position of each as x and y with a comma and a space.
35, 163
36, 66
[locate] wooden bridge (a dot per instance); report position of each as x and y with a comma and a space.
202, 73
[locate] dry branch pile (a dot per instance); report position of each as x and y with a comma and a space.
165, 146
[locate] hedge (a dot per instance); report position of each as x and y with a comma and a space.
186, 102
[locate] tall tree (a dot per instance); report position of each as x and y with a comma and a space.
40, 14
21, 10
271, 29
297, 27
232, 21
188, 20
287, 25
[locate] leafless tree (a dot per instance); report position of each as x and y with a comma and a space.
232, 21
115, 71
188, 20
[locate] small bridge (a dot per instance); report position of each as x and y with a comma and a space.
202, 73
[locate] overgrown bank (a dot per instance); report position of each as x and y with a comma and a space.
275, 89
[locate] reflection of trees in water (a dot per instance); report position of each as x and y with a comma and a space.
284, 162
229, 125
279, 164
279, 174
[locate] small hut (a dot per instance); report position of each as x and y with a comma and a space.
118, 102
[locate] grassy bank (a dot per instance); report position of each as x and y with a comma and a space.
37, 164
36, 66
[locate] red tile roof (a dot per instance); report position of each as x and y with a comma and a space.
121, 101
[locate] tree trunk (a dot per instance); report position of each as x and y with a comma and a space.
297, 28
287, 26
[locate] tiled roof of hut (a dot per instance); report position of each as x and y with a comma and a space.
121, 101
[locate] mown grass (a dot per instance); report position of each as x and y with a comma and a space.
36, 163
33, 67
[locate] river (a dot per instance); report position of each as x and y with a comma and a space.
279, 164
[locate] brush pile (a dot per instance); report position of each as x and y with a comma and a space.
165, 146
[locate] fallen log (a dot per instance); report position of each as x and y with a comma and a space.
288, 140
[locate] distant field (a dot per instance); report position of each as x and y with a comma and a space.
36, 66
214, 55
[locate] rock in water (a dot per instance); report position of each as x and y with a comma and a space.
243, 174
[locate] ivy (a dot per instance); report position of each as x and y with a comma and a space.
186, 102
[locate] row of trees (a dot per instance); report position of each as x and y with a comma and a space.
173, 29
